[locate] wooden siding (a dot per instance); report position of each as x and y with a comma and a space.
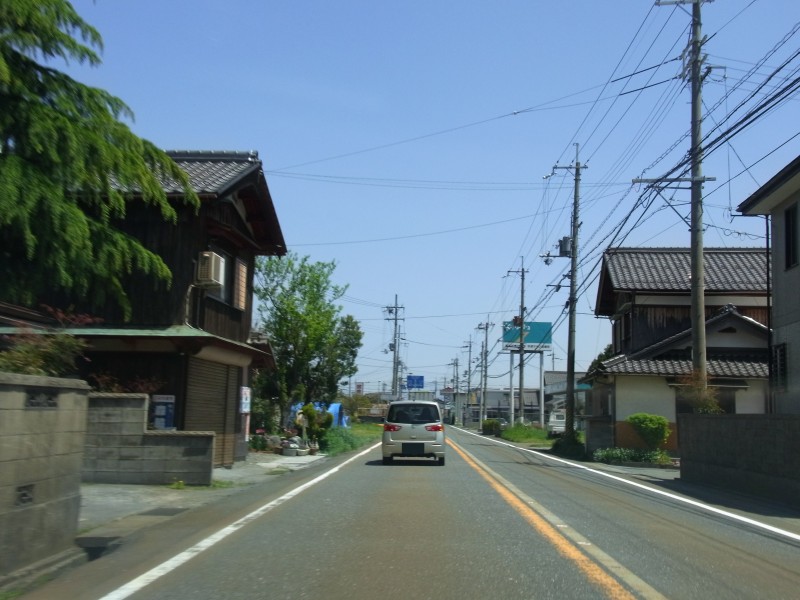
652, 324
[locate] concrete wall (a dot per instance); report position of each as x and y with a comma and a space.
757, 454
42, 430
640, 394
120, 449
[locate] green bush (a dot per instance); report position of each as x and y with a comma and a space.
490, 427
614, 455
48, 354
653, 429
338, 440
569, 447
258, 443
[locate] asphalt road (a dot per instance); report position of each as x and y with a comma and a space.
496, 521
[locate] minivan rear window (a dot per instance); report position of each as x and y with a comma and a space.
411, 413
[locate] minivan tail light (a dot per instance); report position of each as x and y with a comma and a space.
390, 427
438, 427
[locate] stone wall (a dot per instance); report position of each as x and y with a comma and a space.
120, 449
42, 431
758, 454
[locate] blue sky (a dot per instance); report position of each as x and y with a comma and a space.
411, 142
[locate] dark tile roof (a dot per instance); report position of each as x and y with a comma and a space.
740, 367
669, 269
212, 172
780, 187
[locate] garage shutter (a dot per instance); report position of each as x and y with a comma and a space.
211, 396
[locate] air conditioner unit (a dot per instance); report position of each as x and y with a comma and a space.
210, 269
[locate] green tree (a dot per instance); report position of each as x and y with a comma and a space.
69, 165
607, 352
353, 403
314, 346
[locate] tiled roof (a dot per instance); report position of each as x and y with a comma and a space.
742, 368
211, 172
669, 269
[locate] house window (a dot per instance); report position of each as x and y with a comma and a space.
791, 234
240, 285
233, 290
779, 378
726, 398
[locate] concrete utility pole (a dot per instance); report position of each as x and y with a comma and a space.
698, 305
455, 384
395, 346
569, 423
469, 369
521, 322
484, 370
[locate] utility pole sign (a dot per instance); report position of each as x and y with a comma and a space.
533, 336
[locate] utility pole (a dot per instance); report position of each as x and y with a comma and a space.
520, 321
484, 369
698, 306
455, 383
393, 312
469, 374
569, 423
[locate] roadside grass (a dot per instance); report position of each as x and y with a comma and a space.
527, 434
339, 440
216, 484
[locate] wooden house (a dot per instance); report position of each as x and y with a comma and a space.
645, 293
188, 344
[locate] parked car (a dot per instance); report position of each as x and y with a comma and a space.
556, 423
413, 429
503, 423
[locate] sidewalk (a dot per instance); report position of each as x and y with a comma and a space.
103, 504
111, 512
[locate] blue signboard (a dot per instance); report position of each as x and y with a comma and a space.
415, 382
538, 336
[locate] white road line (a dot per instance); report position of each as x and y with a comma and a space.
147, 578
689, 501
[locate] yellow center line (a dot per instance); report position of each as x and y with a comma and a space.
610, 586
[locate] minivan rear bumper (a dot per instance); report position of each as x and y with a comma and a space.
412, 449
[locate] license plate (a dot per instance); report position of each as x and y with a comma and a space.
413, 449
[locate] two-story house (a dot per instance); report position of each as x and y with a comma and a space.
779, 198
645, 293
188, 343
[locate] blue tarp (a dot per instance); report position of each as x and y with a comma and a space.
339, 418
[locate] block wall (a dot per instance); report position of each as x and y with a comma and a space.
120, 449
758, 454
42, 432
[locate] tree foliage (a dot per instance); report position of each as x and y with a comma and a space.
607, 352
353, 403
314, 345
696, 391
69, 165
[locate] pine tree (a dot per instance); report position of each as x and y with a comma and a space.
69, 165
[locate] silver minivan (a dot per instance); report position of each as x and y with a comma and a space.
413, 429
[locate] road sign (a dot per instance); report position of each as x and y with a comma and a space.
415, 382
538, 336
